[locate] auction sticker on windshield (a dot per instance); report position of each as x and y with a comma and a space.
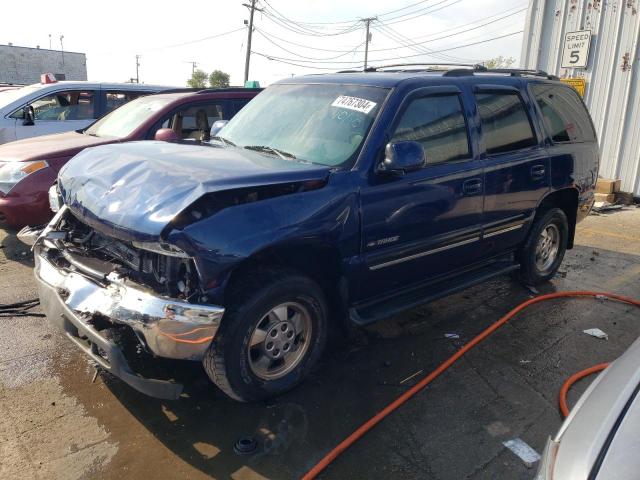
354, 103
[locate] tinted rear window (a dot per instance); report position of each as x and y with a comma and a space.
565, 117
505, 123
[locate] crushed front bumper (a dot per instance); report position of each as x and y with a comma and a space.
167, 327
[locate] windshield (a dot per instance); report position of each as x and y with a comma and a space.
320, 123
125, 119
13, 94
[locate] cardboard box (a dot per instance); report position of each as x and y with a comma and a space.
605, 197
604, 185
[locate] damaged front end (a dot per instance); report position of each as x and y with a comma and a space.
104, 292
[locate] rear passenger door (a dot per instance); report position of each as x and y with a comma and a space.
425, 223
516, 165
112, 99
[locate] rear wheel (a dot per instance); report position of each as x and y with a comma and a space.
272, 334
542, 253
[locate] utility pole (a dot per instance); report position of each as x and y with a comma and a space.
367, 22
137, 69
62, 48
252, 8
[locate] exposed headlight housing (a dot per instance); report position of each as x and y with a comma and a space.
55, 199
13, 172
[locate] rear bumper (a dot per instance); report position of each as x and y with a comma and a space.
166, 327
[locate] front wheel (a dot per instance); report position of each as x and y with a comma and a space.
542, 253
272, 334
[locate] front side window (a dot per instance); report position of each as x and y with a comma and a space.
324, 124
565, 117
437, 123
69, 105
195, 121
505, 123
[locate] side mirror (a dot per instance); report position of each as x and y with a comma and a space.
402, 157
166, 135
217, 126
28, 116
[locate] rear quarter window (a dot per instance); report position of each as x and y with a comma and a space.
565, 117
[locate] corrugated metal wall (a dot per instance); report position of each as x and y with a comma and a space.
612, 74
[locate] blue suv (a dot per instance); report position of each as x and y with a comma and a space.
328, 200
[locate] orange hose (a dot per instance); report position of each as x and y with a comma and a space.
377, 418
573, 379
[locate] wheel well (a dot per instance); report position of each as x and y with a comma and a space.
567, 200
319, 262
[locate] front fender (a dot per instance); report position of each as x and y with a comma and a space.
220, 243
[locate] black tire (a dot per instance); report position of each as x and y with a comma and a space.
227, 361
530, 271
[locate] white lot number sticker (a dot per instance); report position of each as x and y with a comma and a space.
354, 103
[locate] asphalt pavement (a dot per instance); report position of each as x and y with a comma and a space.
57, 421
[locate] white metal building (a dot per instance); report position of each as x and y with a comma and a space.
611, 73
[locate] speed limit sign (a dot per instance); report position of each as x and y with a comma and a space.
576, 49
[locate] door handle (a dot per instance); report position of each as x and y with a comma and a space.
472, 186
538, 171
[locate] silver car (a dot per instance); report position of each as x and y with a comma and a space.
600, 439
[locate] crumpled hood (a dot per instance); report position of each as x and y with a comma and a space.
134, 190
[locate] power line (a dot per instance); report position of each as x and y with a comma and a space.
420, 13
288, 62
274, 57
439, 32
192, 41
352, 51
342, 22
407, 42
313, 33
460, 32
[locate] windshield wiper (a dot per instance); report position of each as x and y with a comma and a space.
266, 148
223, 140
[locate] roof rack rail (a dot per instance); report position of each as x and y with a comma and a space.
180, 90
514, 72
228, 89
209, 90
428, 65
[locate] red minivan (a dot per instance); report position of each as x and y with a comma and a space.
28, 168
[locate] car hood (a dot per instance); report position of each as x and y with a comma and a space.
48, 146
134, 190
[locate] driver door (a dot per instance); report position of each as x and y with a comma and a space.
61, 111
425, 223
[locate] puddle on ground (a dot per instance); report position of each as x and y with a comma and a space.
44, 432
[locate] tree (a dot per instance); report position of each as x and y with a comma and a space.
198, 79
218, 79
499, 62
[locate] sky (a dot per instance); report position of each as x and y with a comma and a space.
291, 37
